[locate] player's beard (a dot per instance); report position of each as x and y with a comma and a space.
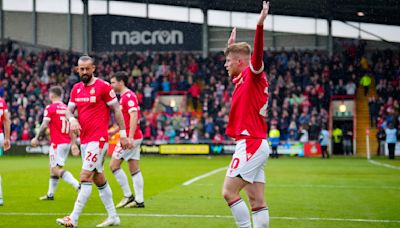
86, 78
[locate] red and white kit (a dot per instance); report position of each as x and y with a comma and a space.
92, 103
59, 133
129, 103
3, 111
247, 118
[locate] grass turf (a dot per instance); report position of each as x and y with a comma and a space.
299, 188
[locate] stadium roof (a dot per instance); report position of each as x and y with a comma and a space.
373, 11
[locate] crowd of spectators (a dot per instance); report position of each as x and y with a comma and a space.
301, 84
384, 108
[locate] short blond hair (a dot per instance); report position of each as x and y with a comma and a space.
238, 48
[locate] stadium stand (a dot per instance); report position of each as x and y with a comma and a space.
301, 85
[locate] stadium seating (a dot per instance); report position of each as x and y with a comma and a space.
301, 84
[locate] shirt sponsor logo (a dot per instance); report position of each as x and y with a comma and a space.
92, 99
61, 111
82, 99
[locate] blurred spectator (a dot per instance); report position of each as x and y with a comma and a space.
218, 137
274, 136
195, 92
391, 140
165, 85
303, 134
337, 140
347, 139
381, 136
351, 88
373, 111
366, 82
324, 141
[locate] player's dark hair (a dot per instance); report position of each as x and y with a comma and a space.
56, 90
121, 76
85, 58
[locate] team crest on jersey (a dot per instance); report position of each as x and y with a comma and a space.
112, 94
131, 103
92, 91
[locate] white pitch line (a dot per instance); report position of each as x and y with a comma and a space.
203, 176
383, 164
202, 216
329, 186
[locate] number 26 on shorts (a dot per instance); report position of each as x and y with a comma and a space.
90, 157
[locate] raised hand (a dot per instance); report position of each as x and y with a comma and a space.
232, 38
34, 142
75, 126
7, 144
263, 13
126, 143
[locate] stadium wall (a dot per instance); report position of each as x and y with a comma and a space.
53, 32
219, 36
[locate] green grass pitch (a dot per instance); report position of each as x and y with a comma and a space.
301, 192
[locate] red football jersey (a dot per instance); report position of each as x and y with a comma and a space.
58, 123
3, 111
129, 103
92, 103
250, 97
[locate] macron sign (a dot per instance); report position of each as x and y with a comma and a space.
146, 37
119, 33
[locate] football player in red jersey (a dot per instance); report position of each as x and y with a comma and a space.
93, 98
248, 127
4, 136
60, 141
131, 111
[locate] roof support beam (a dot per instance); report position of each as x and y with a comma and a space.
85, 27
205, 33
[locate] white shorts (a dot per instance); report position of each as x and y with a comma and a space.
251, 170
58, 154
128, 154
93, 154
1, 140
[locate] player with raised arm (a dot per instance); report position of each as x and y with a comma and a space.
93, 98
4, 134
131, 111
248, 127
61, 140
